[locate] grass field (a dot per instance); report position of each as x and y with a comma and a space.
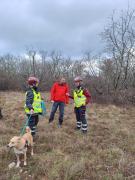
106, 152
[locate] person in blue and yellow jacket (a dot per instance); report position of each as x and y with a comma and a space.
81, 97
33, 104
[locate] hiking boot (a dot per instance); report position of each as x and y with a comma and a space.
84, 131
59, 125
50, 121
77, 128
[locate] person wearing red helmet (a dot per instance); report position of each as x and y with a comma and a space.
81, 98
33, 104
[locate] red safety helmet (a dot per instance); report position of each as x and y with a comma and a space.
78, 79
33, 81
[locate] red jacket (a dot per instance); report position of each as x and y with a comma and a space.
88, 95
58, 92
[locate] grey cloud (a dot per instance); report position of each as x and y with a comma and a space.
72, 26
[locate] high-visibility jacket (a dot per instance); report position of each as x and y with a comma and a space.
36, 103
79, 98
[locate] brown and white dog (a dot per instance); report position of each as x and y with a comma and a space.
20, 144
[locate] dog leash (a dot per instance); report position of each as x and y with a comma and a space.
25, 125
43, 106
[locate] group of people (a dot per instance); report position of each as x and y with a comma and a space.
59, 97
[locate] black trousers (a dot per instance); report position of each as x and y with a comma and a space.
33, 121
80, 117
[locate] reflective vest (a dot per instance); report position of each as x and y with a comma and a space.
79, 98
36, 103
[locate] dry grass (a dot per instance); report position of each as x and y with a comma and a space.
106, 152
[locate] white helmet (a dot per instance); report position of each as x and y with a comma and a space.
78, 79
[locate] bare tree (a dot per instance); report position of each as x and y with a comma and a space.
32, 56
120, 39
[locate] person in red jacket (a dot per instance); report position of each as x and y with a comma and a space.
59, 98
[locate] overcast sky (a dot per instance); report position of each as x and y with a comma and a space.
70, 26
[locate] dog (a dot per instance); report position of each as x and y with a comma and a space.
20, 145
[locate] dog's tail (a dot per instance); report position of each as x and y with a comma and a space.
28, 130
